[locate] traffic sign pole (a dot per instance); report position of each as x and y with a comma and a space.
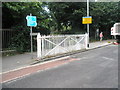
31, 40
31, 43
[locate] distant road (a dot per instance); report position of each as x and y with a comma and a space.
97, 68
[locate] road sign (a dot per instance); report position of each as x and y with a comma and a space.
31, 21
87, 20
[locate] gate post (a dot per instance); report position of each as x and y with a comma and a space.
38, 45
86, 41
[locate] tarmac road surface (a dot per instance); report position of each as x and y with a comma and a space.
97, 68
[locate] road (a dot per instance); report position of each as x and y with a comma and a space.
97, 68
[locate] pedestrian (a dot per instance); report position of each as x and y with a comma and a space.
101, 36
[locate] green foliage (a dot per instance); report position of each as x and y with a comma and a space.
21, 41
69, 14
14, 17
108, 0
19, 10
104, 16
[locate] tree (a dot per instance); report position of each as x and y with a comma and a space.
104, 16
16, 20
61, 17
65, 14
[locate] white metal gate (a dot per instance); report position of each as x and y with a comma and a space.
59, 44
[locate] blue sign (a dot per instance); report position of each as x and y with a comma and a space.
31, 21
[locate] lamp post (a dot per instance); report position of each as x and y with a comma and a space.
88, 24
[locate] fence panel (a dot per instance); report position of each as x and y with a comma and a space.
7, 34
53, 45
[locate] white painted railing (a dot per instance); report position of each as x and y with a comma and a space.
53, 45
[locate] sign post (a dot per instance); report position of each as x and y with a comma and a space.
31, 21
31, 43
87, 20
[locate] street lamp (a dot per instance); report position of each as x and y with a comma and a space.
88, 24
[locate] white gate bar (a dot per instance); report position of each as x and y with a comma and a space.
70, 41
42, 46
86, 41
57, 45
74, 40
38, 45
80, 40
62, 36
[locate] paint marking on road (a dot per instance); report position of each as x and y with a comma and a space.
106, 58
104, 64
86, 58
107, 61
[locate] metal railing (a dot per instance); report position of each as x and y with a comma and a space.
59, 44
7, 34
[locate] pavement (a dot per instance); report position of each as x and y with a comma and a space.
22, 62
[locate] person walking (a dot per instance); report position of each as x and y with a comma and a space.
101, 36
